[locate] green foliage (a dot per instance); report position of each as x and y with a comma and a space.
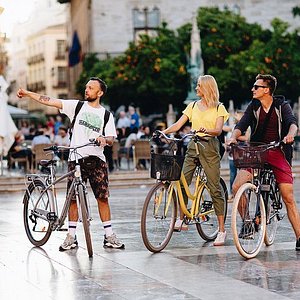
152, 72
277, 55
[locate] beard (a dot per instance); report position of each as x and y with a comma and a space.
89, 99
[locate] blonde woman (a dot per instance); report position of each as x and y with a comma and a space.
207, 116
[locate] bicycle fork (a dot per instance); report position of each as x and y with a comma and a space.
78, 181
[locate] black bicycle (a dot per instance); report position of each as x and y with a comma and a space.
257, 204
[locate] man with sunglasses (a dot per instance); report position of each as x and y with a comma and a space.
271, 119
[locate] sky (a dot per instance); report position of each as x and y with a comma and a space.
14, 11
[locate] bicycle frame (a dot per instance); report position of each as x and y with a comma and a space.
50, 182
195, 197
58, 221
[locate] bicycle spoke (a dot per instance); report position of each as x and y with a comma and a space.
207, 221
37, 228
273, 205
158, 217
248, 221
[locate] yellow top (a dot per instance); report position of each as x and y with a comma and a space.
207, 118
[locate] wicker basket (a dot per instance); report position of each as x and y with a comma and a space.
166, 167
252, 155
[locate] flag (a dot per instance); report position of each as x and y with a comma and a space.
75, 51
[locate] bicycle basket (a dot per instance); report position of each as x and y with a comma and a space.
166, 167
251, 155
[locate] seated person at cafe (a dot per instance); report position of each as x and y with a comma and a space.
62, 139
40, 138
19, 150
31, 134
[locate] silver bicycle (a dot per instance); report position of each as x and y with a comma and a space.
40, 213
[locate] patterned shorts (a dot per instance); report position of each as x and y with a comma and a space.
94, 169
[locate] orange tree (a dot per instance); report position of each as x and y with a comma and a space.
151, 73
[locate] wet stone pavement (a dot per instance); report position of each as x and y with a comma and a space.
188, 268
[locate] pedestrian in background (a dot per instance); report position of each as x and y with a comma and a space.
134, 118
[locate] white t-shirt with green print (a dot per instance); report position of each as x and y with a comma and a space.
88, 124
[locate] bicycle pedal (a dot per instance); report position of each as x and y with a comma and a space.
277, 205
62, 229
51, 216
280, 217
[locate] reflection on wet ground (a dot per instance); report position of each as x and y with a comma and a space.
189, 268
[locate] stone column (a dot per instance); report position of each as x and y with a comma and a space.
171, 118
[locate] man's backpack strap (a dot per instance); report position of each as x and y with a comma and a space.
77, 109
106, 118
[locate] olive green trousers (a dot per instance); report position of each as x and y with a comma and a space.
210, 160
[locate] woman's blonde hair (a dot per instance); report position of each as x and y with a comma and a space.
209, 88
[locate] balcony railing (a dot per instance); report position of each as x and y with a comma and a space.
60, 56
60, 85
35, 59
36, 86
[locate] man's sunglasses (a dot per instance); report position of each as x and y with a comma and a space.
256, 87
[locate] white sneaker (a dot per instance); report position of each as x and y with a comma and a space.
220, 239
69, 243
112, 242
180, 226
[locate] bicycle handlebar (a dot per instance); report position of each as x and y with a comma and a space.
192, 134
265, 147
55, 148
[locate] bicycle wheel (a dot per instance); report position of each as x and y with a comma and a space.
37, 227
158, 217
85, 219
248, 221
272, 213
208, 225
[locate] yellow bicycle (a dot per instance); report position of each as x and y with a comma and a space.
161, 204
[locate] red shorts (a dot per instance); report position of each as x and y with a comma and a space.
280, 166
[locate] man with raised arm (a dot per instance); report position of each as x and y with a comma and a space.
88, 124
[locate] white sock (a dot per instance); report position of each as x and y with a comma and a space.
107, 228
72, 228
